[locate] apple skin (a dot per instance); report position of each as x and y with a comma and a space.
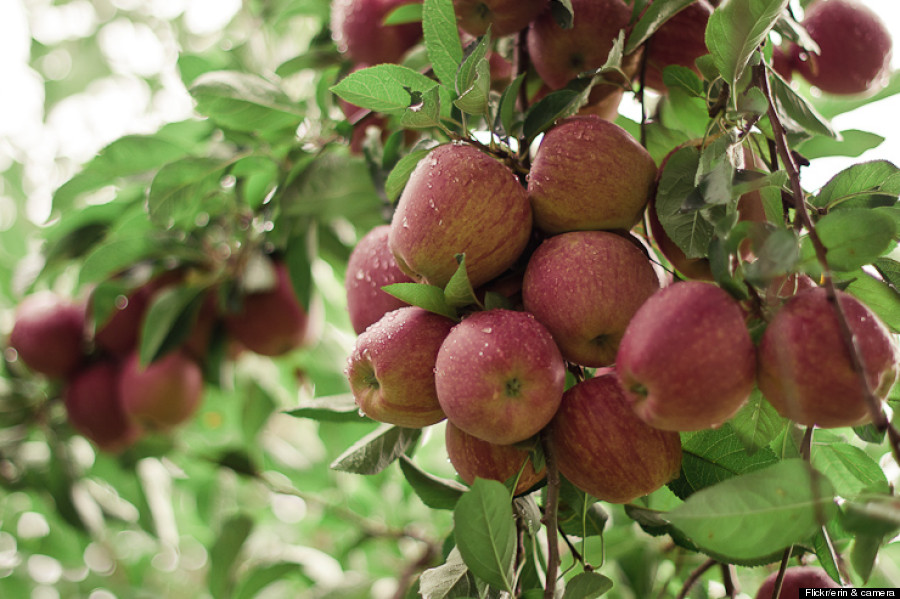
460, 200
559, 55
608, 190
500, 376
271, 322
504, 17
604, 449
686, 360
680, 41
796, 578
358, 30
473, 458
49, 334
163, 394
372, 266
391, 367
854, 44
804, 367
585, 286
94, 407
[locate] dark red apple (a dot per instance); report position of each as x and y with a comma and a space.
163, 394
504, 17
94, 407
357, 27
473, 458
796, 578
49, 334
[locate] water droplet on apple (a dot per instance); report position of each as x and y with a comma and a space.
487, 330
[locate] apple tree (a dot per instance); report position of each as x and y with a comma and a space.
464, 299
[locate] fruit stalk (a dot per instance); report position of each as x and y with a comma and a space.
549, 520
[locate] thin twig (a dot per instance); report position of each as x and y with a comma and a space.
731, 589
550, 518
694, 577
782, 568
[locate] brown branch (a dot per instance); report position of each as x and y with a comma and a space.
694, 577
731, 589
782, 568
549, 520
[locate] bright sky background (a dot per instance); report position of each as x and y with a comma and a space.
52, 145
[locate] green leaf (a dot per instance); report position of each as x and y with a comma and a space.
866, 184
777, 256
850, 469
736, 29
224, 552
169, 320
115, 255
653, 18
179, 190
796, 112
880, 297
458, 292
757, 423
855, 237
679, 77
442, 41
758, 513
377, 450
863, 554
244, 102
436, 493
399, 175
890, 270
427, 297
405, 13
485, 532
391, 89
333, 408
715, 455
260, 577
852, 142
579, 514
823, 550
872, 515
563, 13
555, 105
449, 581
473, 79
587, 585
690, 231
506, 114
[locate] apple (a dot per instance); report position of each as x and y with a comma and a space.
559, 55
94, 407
680, 41
473, 458
358, 29
608, 190
854, 44
604, 449
686, 360
272, 321
796, 578
391, 368
503, 17
499, 376
459, 200
804, 365
585, 286
48, 334
372, 266
163, 394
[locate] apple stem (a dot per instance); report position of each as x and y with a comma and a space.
782, 568
549, 520
879, 418
694, 577
731, 589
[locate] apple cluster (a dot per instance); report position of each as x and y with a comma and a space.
110, 396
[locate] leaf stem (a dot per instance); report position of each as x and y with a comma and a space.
694, 577
550, 518
782, 568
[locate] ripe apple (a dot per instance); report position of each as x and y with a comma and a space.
854, 44
796, 578
473, 458
499, 376
585, 286
558, 54
804, 365
94, 407
270, 322
608, 190
680, 41
163, 394
391, 368
459, 200
372, 266
504, 17
604, 449
48, 334
686, 360
358, 30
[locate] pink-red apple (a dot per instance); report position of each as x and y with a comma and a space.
686, 360
796, 578
680, 41
473, 458
585, 286
804, 364
459, 200
163, 394
608, 189
604, 449
504, 17
500, 376
357, 27
391, 368
94, 407
49, 334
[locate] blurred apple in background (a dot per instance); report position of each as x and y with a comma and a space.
49, 334
796, 578
680, 41
94, 407
502, 16
359, 31
163, 394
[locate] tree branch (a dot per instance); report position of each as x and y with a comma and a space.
549, 520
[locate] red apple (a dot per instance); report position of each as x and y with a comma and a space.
608, 190
94, 407
804, 364
604, 449
359, 31
391, 368
796, 578
500, 376
460, 200
163, 394
48, 334
686, 360
585, 286
680, 41
504, 17
854, 44
372, 266
270, 322
473, 458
